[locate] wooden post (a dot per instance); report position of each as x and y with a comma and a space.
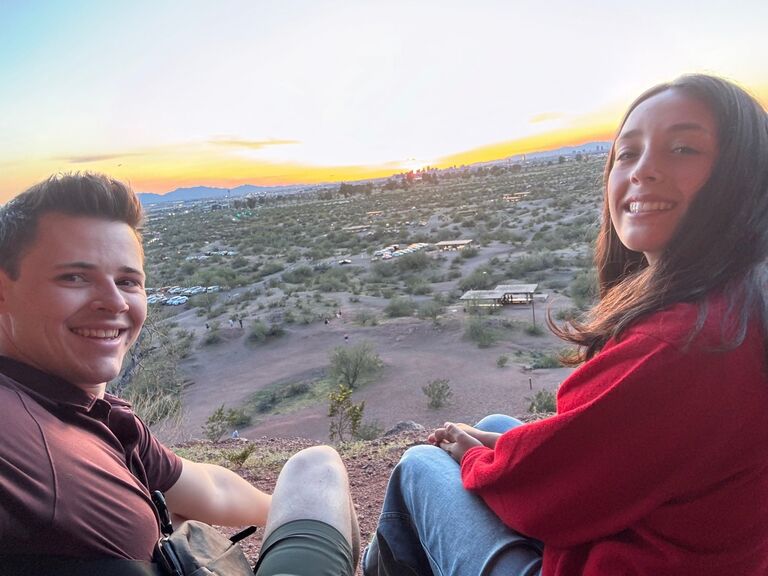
533, 311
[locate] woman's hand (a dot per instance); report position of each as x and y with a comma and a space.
455, 439
487, 439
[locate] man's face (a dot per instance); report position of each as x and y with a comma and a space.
78, 303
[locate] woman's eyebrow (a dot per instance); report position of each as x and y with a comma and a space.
679, 127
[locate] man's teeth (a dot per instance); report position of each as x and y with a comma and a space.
637, 207
96, 333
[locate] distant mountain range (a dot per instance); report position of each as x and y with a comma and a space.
212, 192
586, 148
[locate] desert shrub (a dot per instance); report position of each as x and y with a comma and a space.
502, 361
238, 456
480, 333
481, 278
417, 286
468, 252
213, 336
413, 262
345, 415
350, 364
534, 330
543, 361
398, 307
438, 392
260, 332
369, 430
430, 310
583, 289
222, 421
366, 318
299, 275
543, 402
267, 399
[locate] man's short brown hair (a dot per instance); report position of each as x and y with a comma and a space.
76, 194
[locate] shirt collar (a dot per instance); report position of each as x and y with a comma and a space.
47, 388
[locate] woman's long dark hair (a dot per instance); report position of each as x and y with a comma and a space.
721, 243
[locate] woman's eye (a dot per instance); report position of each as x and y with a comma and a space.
625, 155
684, 150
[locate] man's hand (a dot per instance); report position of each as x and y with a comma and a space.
454, 439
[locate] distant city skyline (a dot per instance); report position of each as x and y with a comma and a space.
173, 94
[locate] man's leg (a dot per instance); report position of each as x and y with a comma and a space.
311, 495
431, 525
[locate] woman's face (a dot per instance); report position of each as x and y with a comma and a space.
664, 154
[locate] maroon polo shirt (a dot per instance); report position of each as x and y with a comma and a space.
74, 470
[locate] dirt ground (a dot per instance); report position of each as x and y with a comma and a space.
413, 351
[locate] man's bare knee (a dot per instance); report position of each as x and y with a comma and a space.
313, 485
314, 462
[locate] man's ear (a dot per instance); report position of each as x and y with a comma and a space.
5, 283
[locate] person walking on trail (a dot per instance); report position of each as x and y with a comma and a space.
657, 459
77, 465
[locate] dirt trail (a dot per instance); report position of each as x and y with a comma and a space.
414, 353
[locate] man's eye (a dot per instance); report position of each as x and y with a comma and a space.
74, 278
129, 283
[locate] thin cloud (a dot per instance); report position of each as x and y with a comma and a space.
547, 117
252, 144
87, 158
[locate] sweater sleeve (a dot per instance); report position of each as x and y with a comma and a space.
627, 422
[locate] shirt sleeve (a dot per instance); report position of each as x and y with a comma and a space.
638, 425
161, 465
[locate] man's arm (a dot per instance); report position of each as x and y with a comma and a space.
215, 495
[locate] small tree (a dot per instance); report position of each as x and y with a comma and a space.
222, 421
351, 363
344, 414
439, 393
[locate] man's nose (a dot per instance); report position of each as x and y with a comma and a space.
109, 298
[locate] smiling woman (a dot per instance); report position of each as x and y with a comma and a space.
664, 155
659, 447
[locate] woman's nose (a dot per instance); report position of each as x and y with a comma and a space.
647, 169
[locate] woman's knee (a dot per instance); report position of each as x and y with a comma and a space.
499, 423
420, 463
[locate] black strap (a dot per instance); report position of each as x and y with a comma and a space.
58, 566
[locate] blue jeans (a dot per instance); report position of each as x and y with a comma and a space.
430, 525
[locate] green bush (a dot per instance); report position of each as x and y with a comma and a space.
543, 402
480, 333
502, 361
438, 392
222, 421
543, 361
398, 307
260, 332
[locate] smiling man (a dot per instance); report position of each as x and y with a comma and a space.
76, 465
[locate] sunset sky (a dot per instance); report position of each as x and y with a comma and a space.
166, 93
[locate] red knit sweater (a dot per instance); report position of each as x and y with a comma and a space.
656, 463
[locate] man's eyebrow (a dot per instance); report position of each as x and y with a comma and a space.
89, 266
679, 127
